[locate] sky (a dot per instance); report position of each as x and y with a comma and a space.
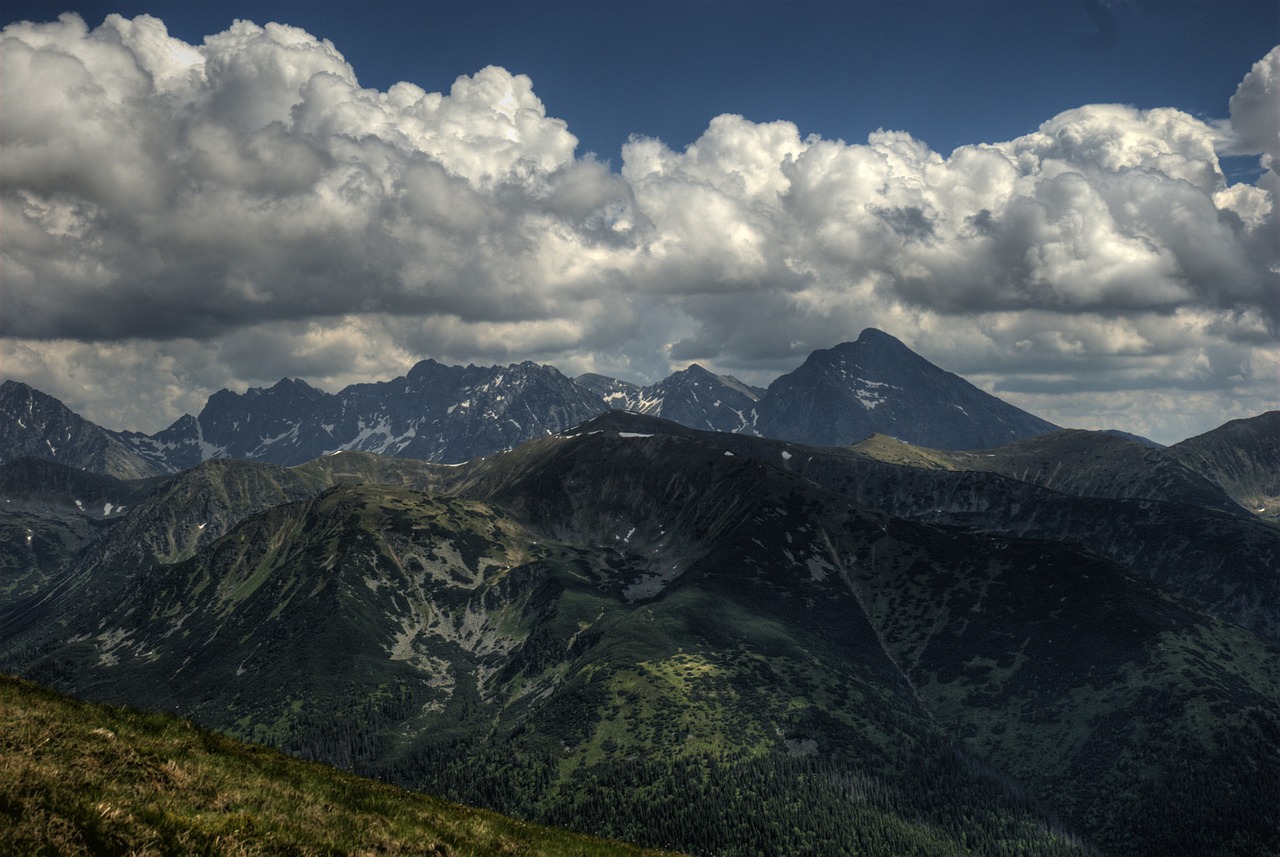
1071, 203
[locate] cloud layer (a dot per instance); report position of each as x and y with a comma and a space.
185, 217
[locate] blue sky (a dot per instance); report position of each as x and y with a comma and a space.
1072, 203
949, 71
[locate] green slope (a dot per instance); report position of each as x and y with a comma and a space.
1074, 462
1243, 457
1127, 503
661, 638
448, 645
77, 778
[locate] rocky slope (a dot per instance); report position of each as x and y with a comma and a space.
451, 414
655, 633
876, 384
1158, 519
35, 424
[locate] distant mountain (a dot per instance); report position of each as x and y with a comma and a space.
693, 397
48, 513
618, 395
843, 394
1075, 462
36, 424
268, 424
434, 412
1243, 457
175, 518
45, 485
451, 414
657, 633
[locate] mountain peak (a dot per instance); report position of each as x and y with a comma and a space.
872, 344
11, 386
841, 395
295, 384
875, 336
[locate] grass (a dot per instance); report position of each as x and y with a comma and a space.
78, 778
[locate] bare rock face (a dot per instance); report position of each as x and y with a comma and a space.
843, 394
694, 397
451, 414
435, 412
36, 425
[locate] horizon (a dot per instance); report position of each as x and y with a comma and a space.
299, 379
1073, 206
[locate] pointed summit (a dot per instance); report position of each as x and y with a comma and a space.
699, 398
841, 395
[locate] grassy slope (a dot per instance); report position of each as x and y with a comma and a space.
77, 778
735, 669
1079, 463
674, 716
1243, 456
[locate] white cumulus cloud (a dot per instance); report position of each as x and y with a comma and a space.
182, 217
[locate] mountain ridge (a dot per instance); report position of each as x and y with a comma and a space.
451, 414
688, 623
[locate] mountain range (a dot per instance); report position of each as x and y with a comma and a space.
687, 635
452, 414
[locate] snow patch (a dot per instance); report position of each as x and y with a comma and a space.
632, 434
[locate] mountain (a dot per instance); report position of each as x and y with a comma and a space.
49, 513
451, 414
175, 518
618, 395
678, 638
875, 384
434, 412
39, 484
262, 423
1130, 504
34, 424
693, 397
1075, 462
1243, 457
90, 779
335, 627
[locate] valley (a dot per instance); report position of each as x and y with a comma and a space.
706, 641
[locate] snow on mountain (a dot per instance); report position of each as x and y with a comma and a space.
449, 414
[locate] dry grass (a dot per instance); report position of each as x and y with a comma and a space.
83, 779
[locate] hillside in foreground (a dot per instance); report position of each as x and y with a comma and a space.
78, 778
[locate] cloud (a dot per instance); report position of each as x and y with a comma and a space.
252, 179
232, 212
1255, 110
